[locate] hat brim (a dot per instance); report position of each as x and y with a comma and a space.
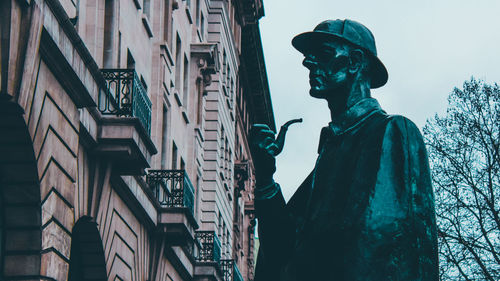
305, 41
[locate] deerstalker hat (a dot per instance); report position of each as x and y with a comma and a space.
347, 31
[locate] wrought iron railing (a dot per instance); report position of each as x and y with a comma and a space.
230, 271
172, 188
210, 250
125, 96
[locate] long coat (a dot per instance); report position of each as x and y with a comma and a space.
366, 211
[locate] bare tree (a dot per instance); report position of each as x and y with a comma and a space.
464, 156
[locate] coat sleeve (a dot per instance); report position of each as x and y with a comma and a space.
277, 222
400, 241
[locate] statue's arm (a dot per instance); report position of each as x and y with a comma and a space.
401, 228
277, 222
274, 226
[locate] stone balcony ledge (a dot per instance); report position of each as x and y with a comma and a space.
207, 271
178, 224
125, 141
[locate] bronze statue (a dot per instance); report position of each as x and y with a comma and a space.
366, 211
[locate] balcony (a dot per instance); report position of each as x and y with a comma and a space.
208, 257
124, 130
210, 246
125, 96
172, 188
174, 193
230, 271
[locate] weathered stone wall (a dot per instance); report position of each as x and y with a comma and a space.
66, 162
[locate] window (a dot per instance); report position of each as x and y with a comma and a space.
174, 156
167, 22
185, 90
226, 151
229, 160
202, 25
178, 62
197, 11
199, 105
224, 238
109, 33
222, 142
237, 143
231, 88
236, 207
228, 243
224, 62
146, 8
220, 226
183, 164
119, 49
164, 138
197, 193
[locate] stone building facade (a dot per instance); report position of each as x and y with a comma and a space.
123, 138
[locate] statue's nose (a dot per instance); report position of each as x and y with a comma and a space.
309, 62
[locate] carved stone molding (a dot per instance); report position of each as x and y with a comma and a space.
205, 55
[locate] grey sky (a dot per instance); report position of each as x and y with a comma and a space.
429, 47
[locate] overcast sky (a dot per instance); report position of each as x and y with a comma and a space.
428, 47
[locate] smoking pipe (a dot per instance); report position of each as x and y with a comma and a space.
279, 143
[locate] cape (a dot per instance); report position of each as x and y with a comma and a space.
365, 212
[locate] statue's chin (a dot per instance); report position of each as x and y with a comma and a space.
317, 93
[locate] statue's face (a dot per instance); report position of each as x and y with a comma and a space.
328, 69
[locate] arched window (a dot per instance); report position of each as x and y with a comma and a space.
87, 262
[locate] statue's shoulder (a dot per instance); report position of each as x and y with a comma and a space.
400, 121
398, 124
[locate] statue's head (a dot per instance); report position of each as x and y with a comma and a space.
339, 53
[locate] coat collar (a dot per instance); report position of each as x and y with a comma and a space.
350, 119
354, 116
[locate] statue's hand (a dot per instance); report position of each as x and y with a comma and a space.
262, 144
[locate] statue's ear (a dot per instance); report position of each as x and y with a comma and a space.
356, 58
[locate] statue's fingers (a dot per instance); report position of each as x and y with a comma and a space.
255, 132
266, 142
272, 148
266, 134
259, 126
260, 133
